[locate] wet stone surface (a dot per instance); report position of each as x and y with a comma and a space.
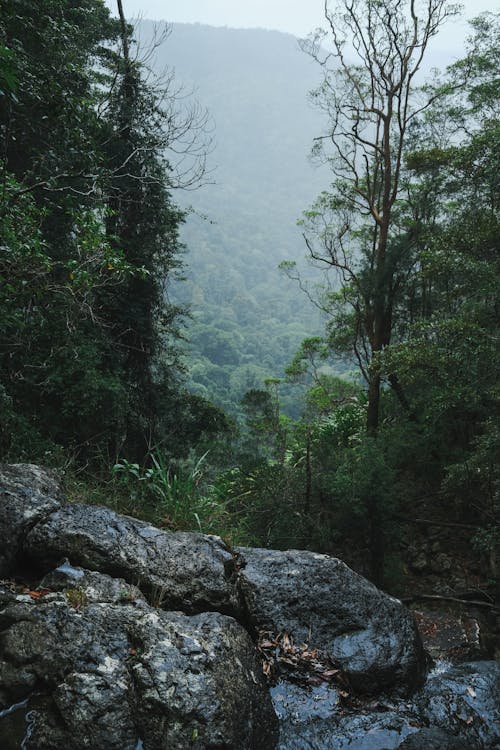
464, 700
320, 601
187, 571
89, 658
111, 674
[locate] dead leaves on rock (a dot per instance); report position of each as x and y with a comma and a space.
301, 664
19, 588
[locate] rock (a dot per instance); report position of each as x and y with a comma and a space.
463, 700
186, 571
93, 586
30, 479
28, 494
366, 731
319, 600
301, 704
419, 563
87, 662
448, 636
111, 675
432, 739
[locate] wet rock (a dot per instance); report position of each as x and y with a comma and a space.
319, 600
299, 704
432, 739
27, 495
448, 636
186, 571
111, 674
93, 586
366, 731
463, 700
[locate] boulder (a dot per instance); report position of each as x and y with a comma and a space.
369, 730
320, 601
89, 586
87, 661
122, 676
178, 570
28, 494
432, 738
463, 700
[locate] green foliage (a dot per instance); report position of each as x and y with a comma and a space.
89, 356
473, 485
431, 362
178, 497
247, 318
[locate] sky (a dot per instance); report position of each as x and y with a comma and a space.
298, 17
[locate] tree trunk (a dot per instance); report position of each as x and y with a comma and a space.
375, 523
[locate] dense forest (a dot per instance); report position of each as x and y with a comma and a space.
332, 414
251, 81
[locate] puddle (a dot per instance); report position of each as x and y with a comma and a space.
16, 723
14, 726
302, 704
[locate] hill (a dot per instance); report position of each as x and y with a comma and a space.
247, 317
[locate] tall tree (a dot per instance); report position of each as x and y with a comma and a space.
88, 355
371, 97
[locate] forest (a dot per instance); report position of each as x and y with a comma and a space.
346, 405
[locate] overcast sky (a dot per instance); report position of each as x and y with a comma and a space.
298, 17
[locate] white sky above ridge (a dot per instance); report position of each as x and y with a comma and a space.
298, 17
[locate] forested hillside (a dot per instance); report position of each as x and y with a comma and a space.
248, 319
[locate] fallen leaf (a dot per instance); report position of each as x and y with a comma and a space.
286, 642
471, 691
38, 594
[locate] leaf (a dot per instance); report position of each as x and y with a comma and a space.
471, 691
266, 668
36, 594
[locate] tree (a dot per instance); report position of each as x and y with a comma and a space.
448, 355
54, 249
89, 237
371, 97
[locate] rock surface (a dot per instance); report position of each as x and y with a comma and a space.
432, 739
319, 600
187, 571
111, 674
89, 586
464, 700
442, 716
27, 495
89, 658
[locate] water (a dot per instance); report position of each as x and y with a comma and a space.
440, 667
70, 571
15, 726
